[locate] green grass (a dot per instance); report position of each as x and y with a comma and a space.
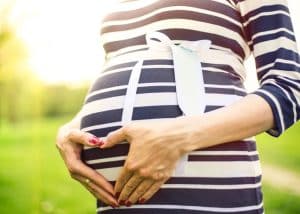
280, 202
33, 178
282, 151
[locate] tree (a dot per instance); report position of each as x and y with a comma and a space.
17, 83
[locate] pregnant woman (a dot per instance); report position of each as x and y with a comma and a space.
167, 125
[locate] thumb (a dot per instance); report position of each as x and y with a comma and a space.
114, 138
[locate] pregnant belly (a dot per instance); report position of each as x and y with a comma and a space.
155, 98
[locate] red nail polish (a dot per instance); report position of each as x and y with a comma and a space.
101, 142
122, 202
94, 140
142, 201
128, 203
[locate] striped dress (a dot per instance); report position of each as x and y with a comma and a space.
221, 179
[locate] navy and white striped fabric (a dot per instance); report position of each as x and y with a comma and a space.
220, 179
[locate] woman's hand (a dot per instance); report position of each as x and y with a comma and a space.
155, 148
156, 145
69, 143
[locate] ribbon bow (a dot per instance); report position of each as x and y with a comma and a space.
187, 69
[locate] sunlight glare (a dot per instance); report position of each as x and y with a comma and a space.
63, 38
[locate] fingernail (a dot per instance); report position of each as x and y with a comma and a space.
128, 203
96, 141
142, 200
115, 204
122, 202
101, 142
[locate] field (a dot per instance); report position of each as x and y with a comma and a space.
33, 178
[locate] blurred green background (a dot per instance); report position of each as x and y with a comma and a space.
33, 178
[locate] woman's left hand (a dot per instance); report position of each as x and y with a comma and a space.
155, 148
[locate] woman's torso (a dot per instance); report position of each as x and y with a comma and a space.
229, 174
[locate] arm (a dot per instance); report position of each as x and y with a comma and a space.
269, 31
275, 105
245, 118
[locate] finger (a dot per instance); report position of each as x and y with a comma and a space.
97, 192
140, 191
156, 172
85, 138
129, 187
84, 171
122, 179
114, 138
151, 191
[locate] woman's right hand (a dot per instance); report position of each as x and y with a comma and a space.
70, 142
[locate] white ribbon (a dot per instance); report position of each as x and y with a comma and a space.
187, 69
188, 78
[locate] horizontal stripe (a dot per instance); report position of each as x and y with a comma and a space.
137, 38
142, 113
191, 158
118, 66
130, 50
166, 101
157, 88
232, 148
213, 6
222, 158
222, 169
213, 200
213, 169
119, 161
92, 153
214, 181
170, 24
155, 75
100, 131
260, 48
224, 91
191, 154
274, 36
208, 152
125, 87
265, 8
179, 13
108, 94
108, 116
217, 187
110, 164
169, 9
208, 181
150, 209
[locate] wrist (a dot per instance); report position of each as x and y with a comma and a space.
200, 132
193, 132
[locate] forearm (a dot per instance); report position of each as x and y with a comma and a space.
245, 118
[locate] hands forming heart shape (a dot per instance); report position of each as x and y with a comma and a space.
155, 148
